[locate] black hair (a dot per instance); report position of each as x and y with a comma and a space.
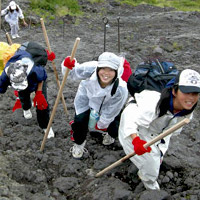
163, 104
11, 10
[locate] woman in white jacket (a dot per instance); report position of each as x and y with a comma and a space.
12, 14
102, 90
150, 114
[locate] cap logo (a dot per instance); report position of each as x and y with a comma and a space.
194, 80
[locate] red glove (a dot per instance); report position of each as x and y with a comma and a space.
17, 102
138, 146
17, 105
127, 71
71, 131
68, 63
104, 129
40, 100
16, 93
50, 56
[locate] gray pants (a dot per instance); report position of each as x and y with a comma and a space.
14, 25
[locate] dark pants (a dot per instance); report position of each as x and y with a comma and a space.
42, 115
80, 127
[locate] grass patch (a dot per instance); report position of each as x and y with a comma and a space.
182, 5
49, 8
52, 9
96, 1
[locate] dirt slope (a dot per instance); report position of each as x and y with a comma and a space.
28, 174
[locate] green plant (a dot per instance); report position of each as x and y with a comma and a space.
176, 46
55, 7
184, 5
96, 1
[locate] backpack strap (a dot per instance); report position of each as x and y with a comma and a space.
115, 85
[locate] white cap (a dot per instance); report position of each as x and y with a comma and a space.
12, 5
110, 60
189, 81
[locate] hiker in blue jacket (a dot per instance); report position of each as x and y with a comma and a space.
24, 76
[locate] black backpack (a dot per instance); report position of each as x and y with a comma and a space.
151, 75
38, 53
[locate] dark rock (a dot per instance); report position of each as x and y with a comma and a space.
155, 195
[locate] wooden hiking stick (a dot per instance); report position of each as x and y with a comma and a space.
156, 139
1, 133
53, 63
8, 38
59, 94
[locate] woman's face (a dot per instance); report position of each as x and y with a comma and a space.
106, 76
184, 100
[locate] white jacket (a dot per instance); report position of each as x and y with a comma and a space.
91, 95
142, 119
12, 17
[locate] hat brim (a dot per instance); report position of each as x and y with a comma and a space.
20, 86
106, 65
189, 89
13, 7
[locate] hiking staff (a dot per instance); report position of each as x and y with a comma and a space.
63, 27
59, 94
53, 63
7, 34
1, 133
8, 38
118, 18
156, 139
105, 21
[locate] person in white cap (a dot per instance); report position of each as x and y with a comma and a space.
12, 15
150, 114
101, 90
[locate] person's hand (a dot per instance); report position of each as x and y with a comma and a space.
50, 56
25, 24
138, 146
68, 63
104, 129
40, 100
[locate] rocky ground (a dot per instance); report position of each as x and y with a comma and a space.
26, 173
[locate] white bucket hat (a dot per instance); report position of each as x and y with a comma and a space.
189, 81
17, 73
13, 5
108, 59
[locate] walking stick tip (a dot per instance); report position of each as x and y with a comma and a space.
187, 121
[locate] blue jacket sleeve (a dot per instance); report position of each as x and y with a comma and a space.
40, 73
37, 75
4, 82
